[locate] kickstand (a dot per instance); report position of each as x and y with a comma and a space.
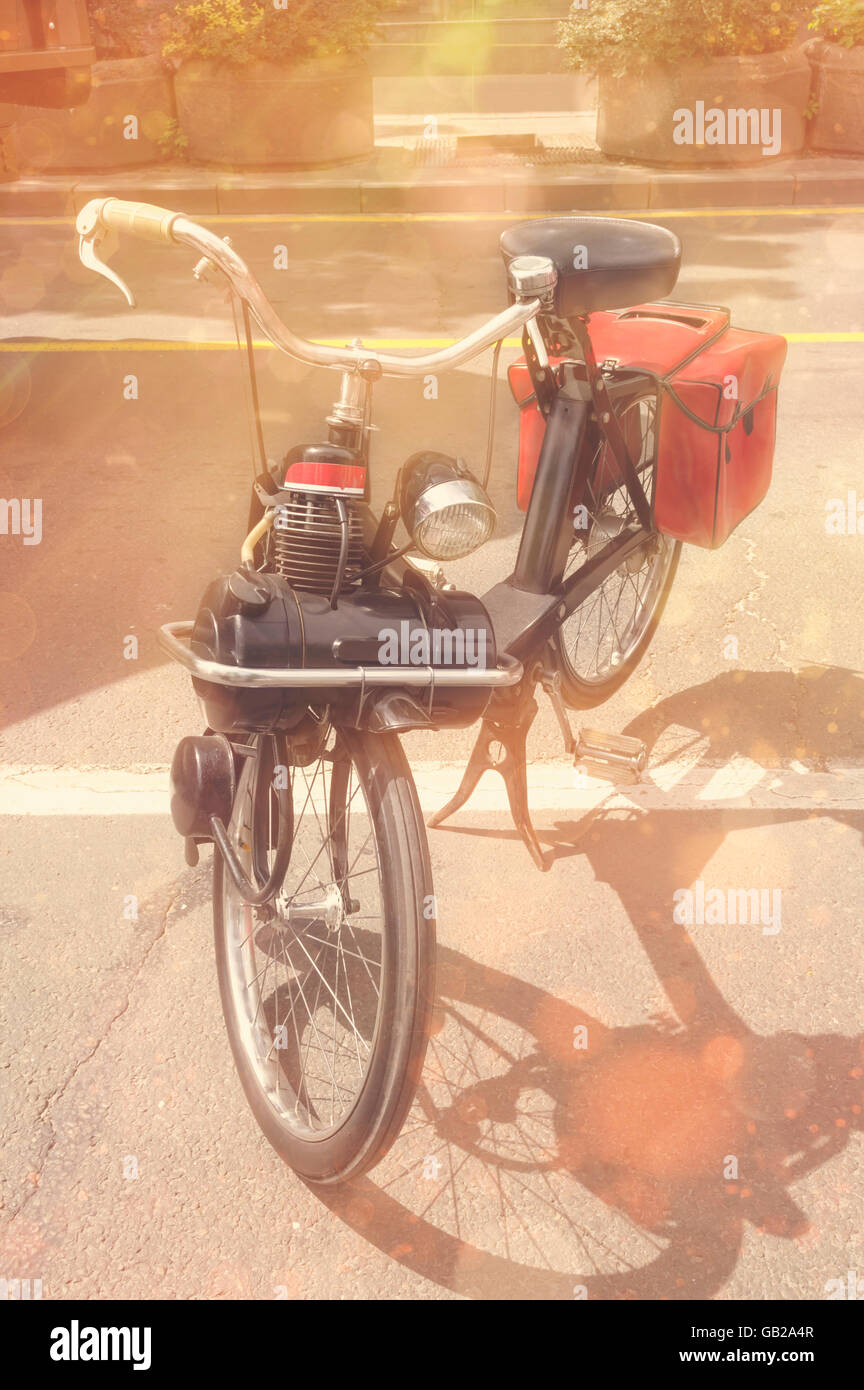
501, 746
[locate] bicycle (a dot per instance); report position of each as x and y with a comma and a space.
329, 640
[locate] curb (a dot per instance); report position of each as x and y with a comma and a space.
370, 189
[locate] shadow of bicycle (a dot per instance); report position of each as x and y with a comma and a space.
629, 1165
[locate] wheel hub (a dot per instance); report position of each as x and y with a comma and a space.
327, 909
606, 527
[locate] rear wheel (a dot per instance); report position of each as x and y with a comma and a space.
327, 992
599, 645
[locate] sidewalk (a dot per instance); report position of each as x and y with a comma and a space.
462, 163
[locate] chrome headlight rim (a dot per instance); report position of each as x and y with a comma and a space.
461, 492
435, 484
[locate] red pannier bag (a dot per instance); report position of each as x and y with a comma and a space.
718, 419
717, 399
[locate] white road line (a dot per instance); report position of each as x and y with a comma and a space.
671, 786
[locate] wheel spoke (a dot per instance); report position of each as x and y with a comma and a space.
599, 636
323, 981
311, 963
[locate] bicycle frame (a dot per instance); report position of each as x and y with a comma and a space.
533, 601
526, 608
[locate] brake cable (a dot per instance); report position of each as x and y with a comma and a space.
250, 386
490, 436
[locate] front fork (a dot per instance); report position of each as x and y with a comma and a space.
337, 823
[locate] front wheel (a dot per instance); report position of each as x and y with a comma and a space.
599, 645
328, 991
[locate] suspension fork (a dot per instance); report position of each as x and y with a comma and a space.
350, 418
337, 823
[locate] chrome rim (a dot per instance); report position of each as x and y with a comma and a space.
304, 978
604, 631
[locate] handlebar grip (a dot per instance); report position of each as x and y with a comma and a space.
141, 219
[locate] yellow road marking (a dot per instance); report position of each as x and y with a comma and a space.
265, 217
381, 344
823, 337
524, 216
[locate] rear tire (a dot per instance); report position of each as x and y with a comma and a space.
598, 647
330, 1117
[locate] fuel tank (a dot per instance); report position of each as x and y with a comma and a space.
258, 620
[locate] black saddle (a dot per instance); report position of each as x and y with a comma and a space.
602, 262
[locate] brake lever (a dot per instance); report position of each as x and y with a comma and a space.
106, 240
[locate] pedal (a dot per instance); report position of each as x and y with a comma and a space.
616, 757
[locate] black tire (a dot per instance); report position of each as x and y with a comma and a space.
394, 1030
609, 508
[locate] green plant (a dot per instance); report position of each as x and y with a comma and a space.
620, 36
840, 21
813, 107
243, 31
126, 28
172, 142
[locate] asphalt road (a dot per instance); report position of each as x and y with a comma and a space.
712, 1041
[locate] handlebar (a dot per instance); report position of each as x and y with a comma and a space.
104, 216
141, 219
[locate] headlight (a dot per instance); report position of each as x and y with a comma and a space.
444, 507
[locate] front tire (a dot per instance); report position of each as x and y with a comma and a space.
328, 1003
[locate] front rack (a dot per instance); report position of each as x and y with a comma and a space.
174, 639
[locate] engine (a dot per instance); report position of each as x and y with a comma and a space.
260, 621
306, 610
306, 543
316, 542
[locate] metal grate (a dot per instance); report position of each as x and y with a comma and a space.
445, 153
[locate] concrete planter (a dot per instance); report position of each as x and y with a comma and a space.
838, 86
720, 112
130, 106
313, 113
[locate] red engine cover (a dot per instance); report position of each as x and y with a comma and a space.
308, 475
